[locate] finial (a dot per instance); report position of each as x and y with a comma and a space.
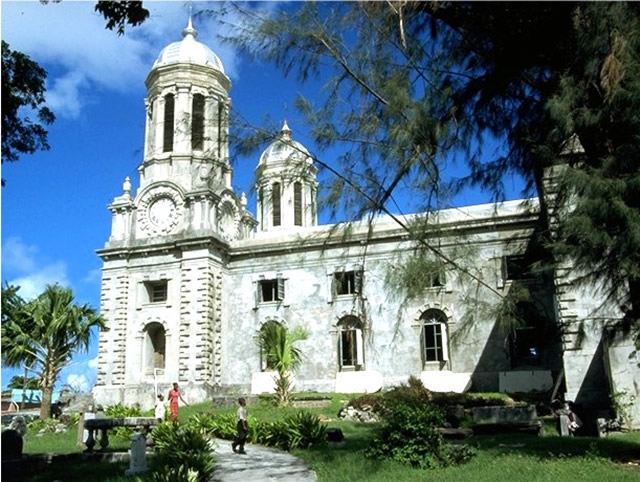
285, 132
190, 30
243, 200
126, 186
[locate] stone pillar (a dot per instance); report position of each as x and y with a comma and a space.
182, 133
138, 455
158, 127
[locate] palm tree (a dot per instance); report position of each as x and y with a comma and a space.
276, 344
45, 333
21, 382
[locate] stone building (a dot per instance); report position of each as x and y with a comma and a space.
191, 275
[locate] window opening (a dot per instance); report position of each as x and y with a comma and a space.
347, 282
351, 343
157, 291
271, 290
169, 112
155, 347
434, 341
197, 122
297, 204
275, 195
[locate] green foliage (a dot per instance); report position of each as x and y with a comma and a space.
428, 83
417, 273
181, 473
118, 14
49, 425
301, 430
373, 400
181, 445
276, 344
23, 88
19, 382
122, 411
409, 434
45, 333
222, 426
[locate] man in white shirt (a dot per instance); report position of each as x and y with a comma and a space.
243, 428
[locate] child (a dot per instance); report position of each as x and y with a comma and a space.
243, 428
160, 408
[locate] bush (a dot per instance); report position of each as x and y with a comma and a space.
181, 473
302, 430
49, 425
224, 426
410, 431
121, 411
177, 446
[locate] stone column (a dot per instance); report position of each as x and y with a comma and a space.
182, 137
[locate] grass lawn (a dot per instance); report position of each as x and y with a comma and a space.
518, 457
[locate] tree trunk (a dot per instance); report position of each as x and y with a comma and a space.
45, 408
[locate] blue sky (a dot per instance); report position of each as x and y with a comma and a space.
54, 212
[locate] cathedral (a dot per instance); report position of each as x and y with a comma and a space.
191, 275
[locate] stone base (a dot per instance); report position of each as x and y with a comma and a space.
369, 381
144, 394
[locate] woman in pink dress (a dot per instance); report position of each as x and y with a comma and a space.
174, 395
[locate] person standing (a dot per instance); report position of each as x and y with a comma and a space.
243, 427
174, 395
160, 408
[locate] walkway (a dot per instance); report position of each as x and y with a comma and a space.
260, 464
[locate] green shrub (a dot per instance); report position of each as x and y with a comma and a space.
410, 431
307, 430
122, 411
181, 473
372, 400
49, 425
276, 434
413, 392
302, 430
185, 445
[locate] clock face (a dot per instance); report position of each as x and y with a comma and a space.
162, 213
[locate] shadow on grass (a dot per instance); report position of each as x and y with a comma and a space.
617, 449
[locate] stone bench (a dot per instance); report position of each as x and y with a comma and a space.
105, 424
500, 419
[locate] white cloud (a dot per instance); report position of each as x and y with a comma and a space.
81, 55
93, 275
18, 256
26, 271
65, 93
78, 383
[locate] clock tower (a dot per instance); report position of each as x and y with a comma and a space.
164, 262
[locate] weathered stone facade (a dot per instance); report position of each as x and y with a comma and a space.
190, 276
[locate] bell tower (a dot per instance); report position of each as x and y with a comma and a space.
286, 185
165, 260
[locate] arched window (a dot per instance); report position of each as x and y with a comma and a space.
297, 204
434, 336
169, 112
197, 122
275, 198
351, 346
154, 350
267, 340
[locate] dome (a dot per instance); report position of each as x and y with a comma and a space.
188, 51
285, 149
